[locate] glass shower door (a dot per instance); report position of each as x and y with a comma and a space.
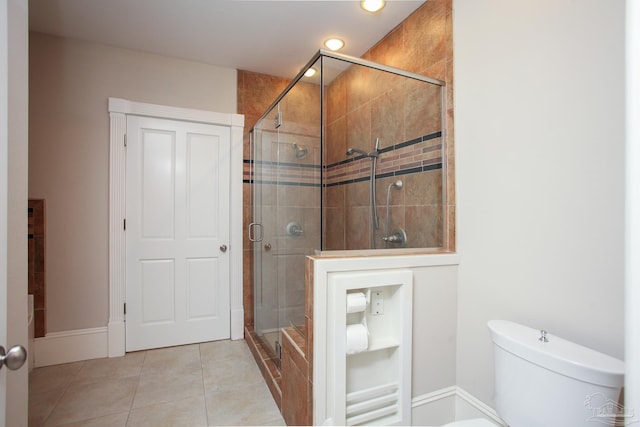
298, 193
286, 159
266, 295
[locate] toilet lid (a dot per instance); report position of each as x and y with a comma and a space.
476, 422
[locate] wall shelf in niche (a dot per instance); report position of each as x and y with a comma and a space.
382, 343
361, 371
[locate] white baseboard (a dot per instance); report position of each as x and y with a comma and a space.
70, 346
237, 324
435, 408
116, 338
469, 406
434, 396
447, 405
84, 344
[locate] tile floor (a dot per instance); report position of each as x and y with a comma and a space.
208, 384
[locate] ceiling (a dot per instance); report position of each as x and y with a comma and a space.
270, 37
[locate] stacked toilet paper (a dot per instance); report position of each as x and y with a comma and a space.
357, 338
356, 302
357, 335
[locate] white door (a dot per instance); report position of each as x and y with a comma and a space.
4, 147
13, 205
177, 233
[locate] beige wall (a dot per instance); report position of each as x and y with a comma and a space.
70, 82
540, 174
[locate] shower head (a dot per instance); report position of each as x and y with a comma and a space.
351, 151
301, 152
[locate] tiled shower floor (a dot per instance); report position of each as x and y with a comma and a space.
213, 383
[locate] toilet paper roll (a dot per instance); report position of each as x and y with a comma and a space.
356, 302
357, 338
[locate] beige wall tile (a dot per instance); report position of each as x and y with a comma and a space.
387, 119
359, 129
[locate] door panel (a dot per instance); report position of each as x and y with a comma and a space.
157, 279
158, 184
177, 221
202, 298
203, 206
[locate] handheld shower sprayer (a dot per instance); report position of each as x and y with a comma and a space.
397, 184
373, 211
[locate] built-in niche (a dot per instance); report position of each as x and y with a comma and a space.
36, 237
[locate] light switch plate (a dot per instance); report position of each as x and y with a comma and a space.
377, 302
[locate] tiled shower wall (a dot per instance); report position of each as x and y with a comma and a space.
364, 105
423, 44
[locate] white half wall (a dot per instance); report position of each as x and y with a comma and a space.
70, 83
539, 128
433, 340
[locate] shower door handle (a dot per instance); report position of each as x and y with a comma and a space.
252, 228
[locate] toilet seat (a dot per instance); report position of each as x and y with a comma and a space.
476, 422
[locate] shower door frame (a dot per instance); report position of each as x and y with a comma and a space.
258, 253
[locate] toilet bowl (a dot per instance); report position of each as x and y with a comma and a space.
536, 371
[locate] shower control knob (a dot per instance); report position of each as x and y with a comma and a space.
14, 358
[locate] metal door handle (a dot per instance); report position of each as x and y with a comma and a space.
252, 228
267, 247
14, 358
223, 248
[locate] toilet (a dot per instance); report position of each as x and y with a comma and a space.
545, 381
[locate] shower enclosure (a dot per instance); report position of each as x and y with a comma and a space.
349, 159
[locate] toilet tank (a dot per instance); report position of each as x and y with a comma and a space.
553, 383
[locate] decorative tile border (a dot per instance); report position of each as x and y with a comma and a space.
414, 156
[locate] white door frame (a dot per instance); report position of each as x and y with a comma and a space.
118, 111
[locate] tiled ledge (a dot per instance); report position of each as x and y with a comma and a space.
266, 364
297, 397
437, 254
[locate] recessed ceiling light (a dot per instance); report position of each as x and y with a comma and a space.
334, 44
310, 72
372, 5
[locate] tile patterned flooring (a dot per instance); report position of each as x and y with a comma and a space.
207, 384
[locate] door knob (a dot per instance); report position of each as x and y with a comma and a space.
223, 248
14, 358
267, 247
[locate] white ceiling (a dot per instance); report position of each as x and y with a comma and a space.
270, 37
